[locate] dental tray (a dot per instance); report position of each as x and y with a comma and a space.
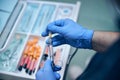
23, 54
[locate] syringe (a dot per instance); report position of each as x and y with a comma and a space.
51, 54
50, 47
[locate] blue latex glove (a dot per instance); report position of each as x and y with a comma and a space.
69, 32
46, 73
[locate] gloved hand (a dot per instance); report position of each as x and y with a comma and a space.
69, 32
46, 73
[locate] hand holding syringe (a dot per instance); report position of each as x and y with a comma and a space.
48, 66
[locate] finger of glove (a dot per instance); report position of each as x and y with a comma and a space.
38, 74
57, 75
45, 33
47, 65
53, 27
57, 68
59, 23
57, 37
56, 43
58, 40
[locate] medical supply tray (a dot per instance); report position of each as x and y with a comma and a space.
31, 22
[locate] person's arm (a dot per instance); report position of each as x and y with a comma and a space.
69, 32
101, 41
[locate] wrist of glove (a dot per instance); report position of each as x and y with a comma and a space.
70, 33
86, 41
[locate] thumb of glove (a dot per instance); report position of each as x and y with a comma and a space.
47, 65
